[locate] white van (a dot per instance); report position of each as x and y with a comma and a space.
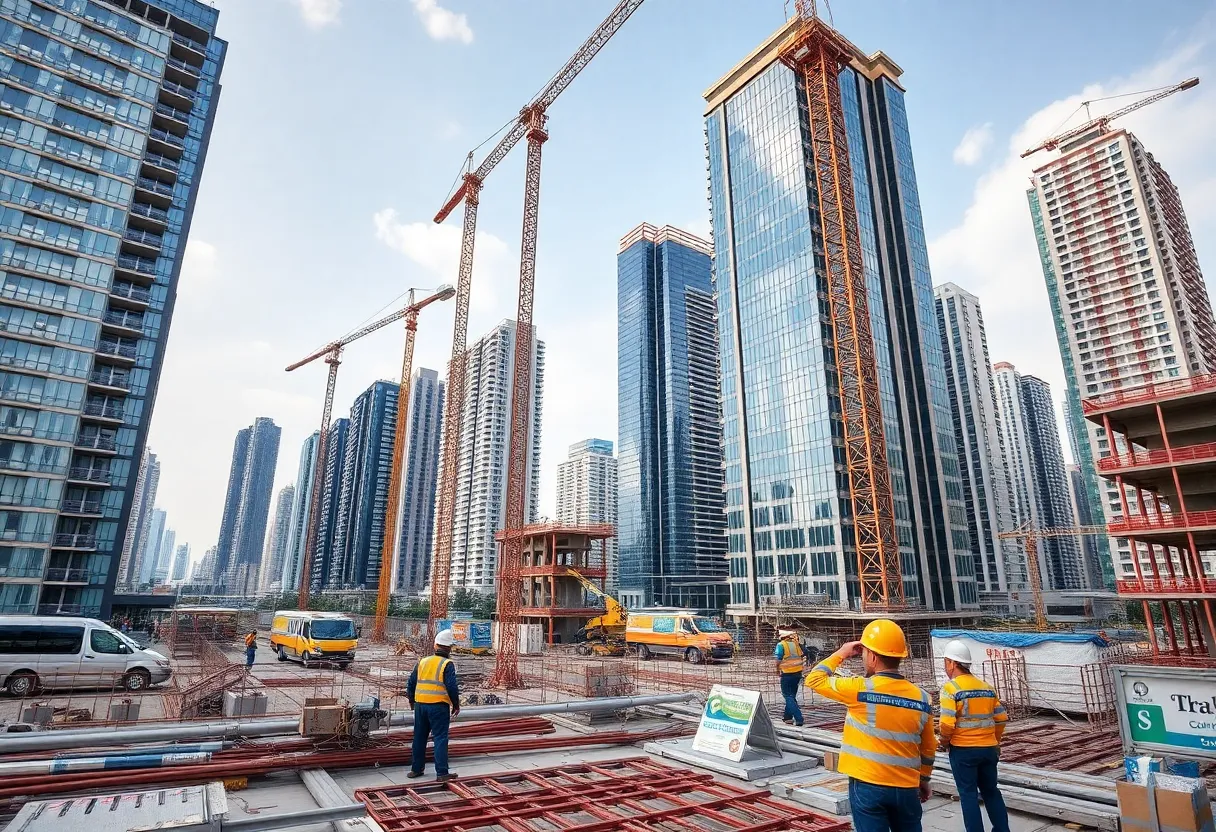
50, 651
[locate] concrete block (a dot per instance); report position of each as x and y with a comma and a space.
752, 767
244, 703
826, 791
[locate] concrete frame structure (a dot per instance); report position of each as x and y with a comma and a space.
1162, 463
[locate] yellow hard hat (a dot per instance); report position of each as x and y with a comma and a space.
885, 638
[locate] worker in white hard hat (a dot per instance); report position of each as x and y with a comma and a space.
971, 723
434, 695
791, 664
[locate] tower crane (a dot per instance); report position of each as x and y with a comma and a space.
816, 53
530, 124
1030, 535
332, 353
1102, 123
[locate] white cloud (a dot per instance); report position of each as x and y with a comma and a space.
992, 250
318, 14
442, 24
975, 141
200, 268
436, 248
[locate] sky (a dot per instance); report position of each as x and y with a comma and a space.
343, 124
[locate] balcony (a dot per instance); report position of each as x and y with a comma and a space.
162, 162
166, 138
59, 609
114, 349
130, 292
97, 410
194, 45
1166, 586
180, 116
136, 267
90, 475
158, 193
18, 609
1156, 458
61, 575
1149, 393
82, 507
142, 242
97, 443
74, 540
179, 96
111, 380
182, 71
1140, 523
27, 571
132, 322
151, 212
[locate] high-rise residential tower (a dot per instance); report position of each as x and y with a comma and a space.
587, 495
671, 531
181, 560
243, 527
277, 539
1126, 291
151, 552
107, 113
300, 515
328, 518
1035, 460
1000, 567
418, 488
481, 490
164, 561
788, 487
367, 457
142, 503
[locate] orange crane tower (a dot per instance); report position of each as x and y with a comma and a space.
817, 52
530, 125
332, 353
1028, 533
1101, 124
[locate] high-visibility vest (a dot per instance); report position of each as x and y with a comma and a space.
792, 658
430, 688
888, 733
251, 640
971, 716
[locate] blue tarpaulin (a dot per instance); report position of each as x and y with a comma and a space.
1021, 639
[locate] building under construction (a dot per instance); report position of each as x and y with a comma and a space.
1161, 459
842, 486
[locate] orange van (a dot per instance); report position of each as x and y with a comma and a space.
682, 633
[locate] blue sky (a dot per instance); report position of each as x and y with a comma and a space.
343, 123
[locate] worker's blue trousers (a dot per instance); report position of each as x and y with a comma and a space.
431, 719
790, 682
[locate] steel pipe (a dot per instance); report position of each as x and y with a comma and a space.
290, 820
93, 737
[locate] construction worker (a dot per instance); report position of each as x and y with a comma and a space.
888, 745
434, 695
791, 664
251, 647
971, 725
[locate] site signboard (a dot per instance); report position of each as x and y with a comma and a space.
734, 720
1167, 710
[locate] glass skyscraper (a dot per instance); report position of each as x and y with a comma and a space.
787, 491
418, 488
329, 518
106, 109
238, 557
670, 533
300, 514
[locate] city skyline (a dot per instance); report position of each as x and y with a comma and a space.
587, 495
235, 358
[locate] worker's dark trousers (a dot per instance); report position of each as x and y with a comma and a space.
431, 719
790, 682
250, 652
884, 808
975, 774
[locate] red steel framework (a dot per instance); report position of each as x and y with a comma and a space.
635, 794
817, 53
531, 125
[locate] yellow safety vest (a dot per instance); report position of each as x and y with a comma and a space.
792, 658
972, 715
888, 734
430, 688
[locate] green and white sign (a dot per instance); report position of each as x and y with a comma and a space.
1167, 710
734, 719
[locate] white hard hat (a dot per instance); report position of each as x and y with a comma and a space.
445, 639
958, 651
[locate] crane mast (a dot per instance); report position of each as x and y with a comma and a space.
816, 52
529, 125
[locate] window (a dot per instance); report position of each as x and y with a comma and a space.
103, 641
63, 641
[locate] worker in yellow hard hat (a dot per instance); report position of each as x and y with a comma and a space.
888, 746
972, 722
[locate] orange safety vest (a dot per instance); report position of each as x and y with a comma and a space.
793, 660
972, 715
251, 640
888, 734
430, 688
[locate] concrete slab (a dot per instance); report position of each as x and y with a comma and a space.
749, 769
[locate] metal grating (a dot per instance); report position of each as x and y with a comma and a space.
635, 794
